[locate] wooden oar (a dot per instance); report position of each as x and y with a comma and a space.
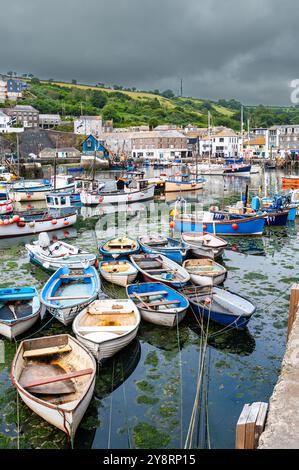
141, 300
74, 297
60, 378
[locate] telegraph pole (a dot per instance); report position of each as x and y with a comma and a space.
181, 87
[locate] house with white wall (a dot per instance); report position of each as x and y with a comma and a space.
223, 144
86, 125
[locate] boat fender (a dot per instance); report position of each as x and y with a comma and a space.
32, 224
66, 222
1, 222
101, 199
172, 225
9, 208
11, 221
21, 224
16, 218
6, 222
235, 226
207, 301
28, 196
54, 222
96, 264
204, 227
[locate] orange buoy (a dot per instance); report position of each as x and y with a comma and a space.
172, 225
54, 222
66, 222
235, 226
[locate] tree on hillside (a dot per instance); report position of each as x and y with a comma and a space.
74, 81
98, 99
168, 94
35, 81
153, 122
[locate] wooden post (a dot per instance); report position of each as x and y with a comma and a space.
251, 425
294, 302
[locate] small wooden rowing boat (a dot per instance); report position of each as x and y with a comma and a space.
204, 245
69, 291
119, 248
205, 272
158, 303
173, 249
19, 310
121, 273
55, 377
107, 326
52, 255
159, 268
220, 306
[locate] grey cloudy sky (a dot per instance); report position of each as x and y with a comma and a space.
221, 48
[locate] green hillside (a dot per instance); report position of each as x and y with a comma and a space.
128, 108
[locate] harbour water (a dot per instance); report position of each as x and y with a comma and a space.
144, 396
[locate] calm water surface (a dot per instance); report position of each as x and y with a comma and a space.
145, 395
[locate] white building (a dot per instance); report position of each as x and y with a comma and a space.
86, 125
4, 123
3, 90
224, 144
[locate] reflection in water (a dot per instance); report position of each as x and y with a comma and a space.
70, 232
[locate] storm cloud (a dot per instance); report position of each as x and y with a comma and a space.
221, 49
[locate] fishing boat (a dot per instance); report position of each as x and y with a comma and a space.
272, 218
159, 268
31, 184
69, 291
173, 249
107, 326
241, 169
205, 272
54, 254
55, 378
290, 181
117, 248
204, 245
178, 184
120, 273
19, 310
31, 223
137, 191
158, 303
220, 306
6, 207
38, 193
213, 223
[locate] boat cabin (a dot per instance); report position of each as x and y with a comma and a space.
58, 200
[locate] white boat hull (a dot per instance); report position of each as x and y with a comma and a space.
90, 199
17, 328
208, 281
23, 196
30, 228
6, 207
108, 348
122, 280
162, 319
67, 315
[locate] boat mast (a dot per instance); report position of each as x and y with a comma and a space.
55, 160
209, 131
94, 164
18, 155
242, 130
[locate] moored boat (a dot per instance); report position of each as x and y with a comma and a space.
19, 310
117, 248
69, 291
204, 245
158, 303
6, 207
32, 223
107, 326
159, 268
173, 249
178, 185
120, 273
138, 191
205, 272
220, 306
54, 254
216, 224
55, 377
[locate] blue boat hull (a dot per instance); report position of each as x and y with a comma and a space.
254, 226
175, 254
292, 214
226, 320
